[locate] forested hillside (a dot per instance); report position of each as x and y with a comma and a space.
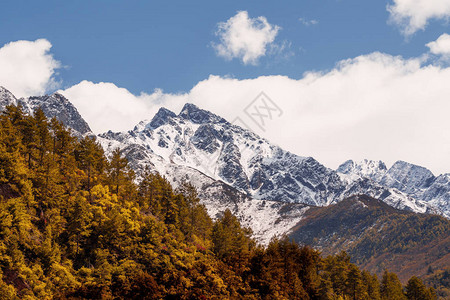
378, 236
75, 225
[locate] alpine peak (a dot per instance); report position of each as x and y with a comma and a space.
161, 117
199, 116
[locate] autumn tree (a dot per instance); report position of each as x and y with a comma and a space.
231, 242
372, 285
391, 288
194, 219
74, 226
416, 290
117, 169
90, 158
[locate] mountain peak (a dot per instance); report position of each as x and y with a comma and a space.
189, 107
5, 91
6, 98
59, 96
56, 105
372, 169
408, 177
400, 164
161, 117
199, 116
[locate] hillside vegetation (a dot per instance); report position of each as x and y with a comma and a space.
74, 225
379, 237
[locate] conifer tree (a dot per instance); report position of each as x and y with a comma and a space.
372, 285
90, 157
28, 129
355, 287
193, 216
117, 169
231, 242
149, 192
416, 290
42, 134
63, 142
391, 288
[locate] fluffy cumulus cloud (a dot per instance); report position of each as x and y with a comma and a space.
441, 46
106, 106
27, 67
413, 15
375, 106
245, 38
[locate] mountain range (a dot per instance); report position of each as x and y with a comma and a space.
377, 236
395, 218
268, 188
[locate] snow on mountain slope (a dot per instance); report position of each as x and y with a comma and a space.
6, 98
418, 183
371, 169
269, 189
438, 194
56, 105
265, 218
199, 140
205, 142
408, 178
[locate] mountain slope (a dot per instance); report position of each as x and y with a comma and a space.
276, 192
415, 181
378, 236
203, 141
6, 98
236, 169
373, 170
407, 177
55, 105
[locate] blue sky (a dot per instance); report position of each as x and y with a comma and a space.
142, 45
355, 79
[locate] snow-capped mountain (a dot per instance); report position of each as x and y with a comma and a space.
208, 143
199, 140
268, 188
408, 178
55, 105
415, 181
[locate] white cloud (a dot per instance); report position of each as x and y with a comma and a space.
413, 15
441, 46
108, 107
307, 22
245, 38
27, 67
375, 106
